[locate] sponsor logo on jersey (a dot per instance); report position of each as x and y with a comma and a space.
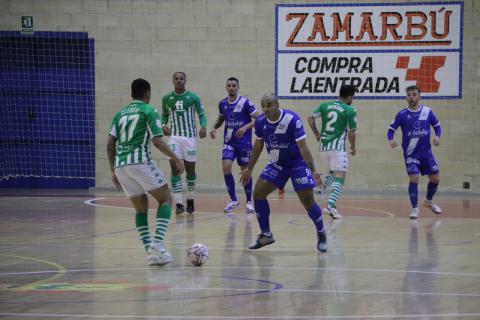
303, 180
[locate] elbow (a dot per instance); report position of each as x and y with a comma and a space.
156, 141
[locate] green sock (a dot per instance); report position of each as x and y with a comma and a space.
141, 222
337, 188
327, 181
191, 186
163, 217
176, 182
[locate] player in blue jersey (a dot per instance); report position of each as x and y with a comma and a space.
415, 122
282, 132
239, 115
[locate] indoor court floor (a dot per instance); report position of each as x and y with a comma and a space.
71, 255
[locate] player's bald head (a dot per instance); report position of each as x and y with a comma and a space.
269, 99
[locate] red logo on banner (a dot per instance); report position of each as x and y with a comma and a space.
425, 74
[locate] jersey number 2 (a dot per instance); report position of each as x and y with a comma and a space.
332, 117
128, 123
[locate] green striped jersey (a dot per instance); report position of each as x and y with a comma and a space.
181, 108
134, 126
337, 118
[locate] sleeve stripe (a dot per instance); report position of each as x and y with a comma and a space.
390, 128
253, 111
113, 132
150, 130
257, 137
301, 138
438, 123
316, 115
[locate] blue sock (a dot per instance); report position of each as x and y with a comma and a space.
431, 189
248, 190
315, 213
230, 182
263, 214
413, 193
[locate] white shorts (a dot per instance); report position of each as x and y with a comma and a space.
335, 160
136, 179
185, 148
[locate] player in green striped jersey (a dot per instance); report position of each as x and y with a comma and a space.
339, 121
180, 106
128, 150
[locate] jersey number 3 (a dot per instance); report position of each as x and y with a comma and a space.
127, 123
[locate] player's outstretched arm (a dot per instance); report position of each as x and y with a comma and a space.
218, 123
390, 137
163, 147
241, 131
256, 151
165, 117
352, 139
313, 126
397, 122
435, 123
111, 152
307, 157
202, 118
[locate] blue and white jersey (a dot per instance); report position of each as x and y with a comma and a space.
236, 115
415, 127
281, 138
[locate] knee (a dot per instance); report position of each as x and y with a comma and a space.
258, 195
190, 172
435, 180
308, 201
167, 200
414, 179
227, 170
173, 167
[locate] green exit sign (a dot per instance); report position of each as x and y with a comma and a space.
27, 24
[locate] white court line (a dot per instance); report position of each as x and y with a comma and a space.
90, 202
415, 316
336, 291
177, 268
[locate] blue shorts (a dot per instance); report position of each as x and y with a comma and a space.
424, 166
241, 153
301, 176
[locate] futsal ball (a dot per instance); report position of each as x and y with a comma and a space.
198, 254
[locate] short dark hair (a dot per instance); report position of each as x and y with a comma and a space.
347, 91
181, 72
233, 79
410, 88
140, 87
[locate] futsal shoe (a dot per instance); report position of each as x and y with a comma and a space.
152, 260
190, 205
164, 257
180, 208
231, 206
262, 241
250, 207
435, 208
152, 256
332, 212
414, 213
322, 241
